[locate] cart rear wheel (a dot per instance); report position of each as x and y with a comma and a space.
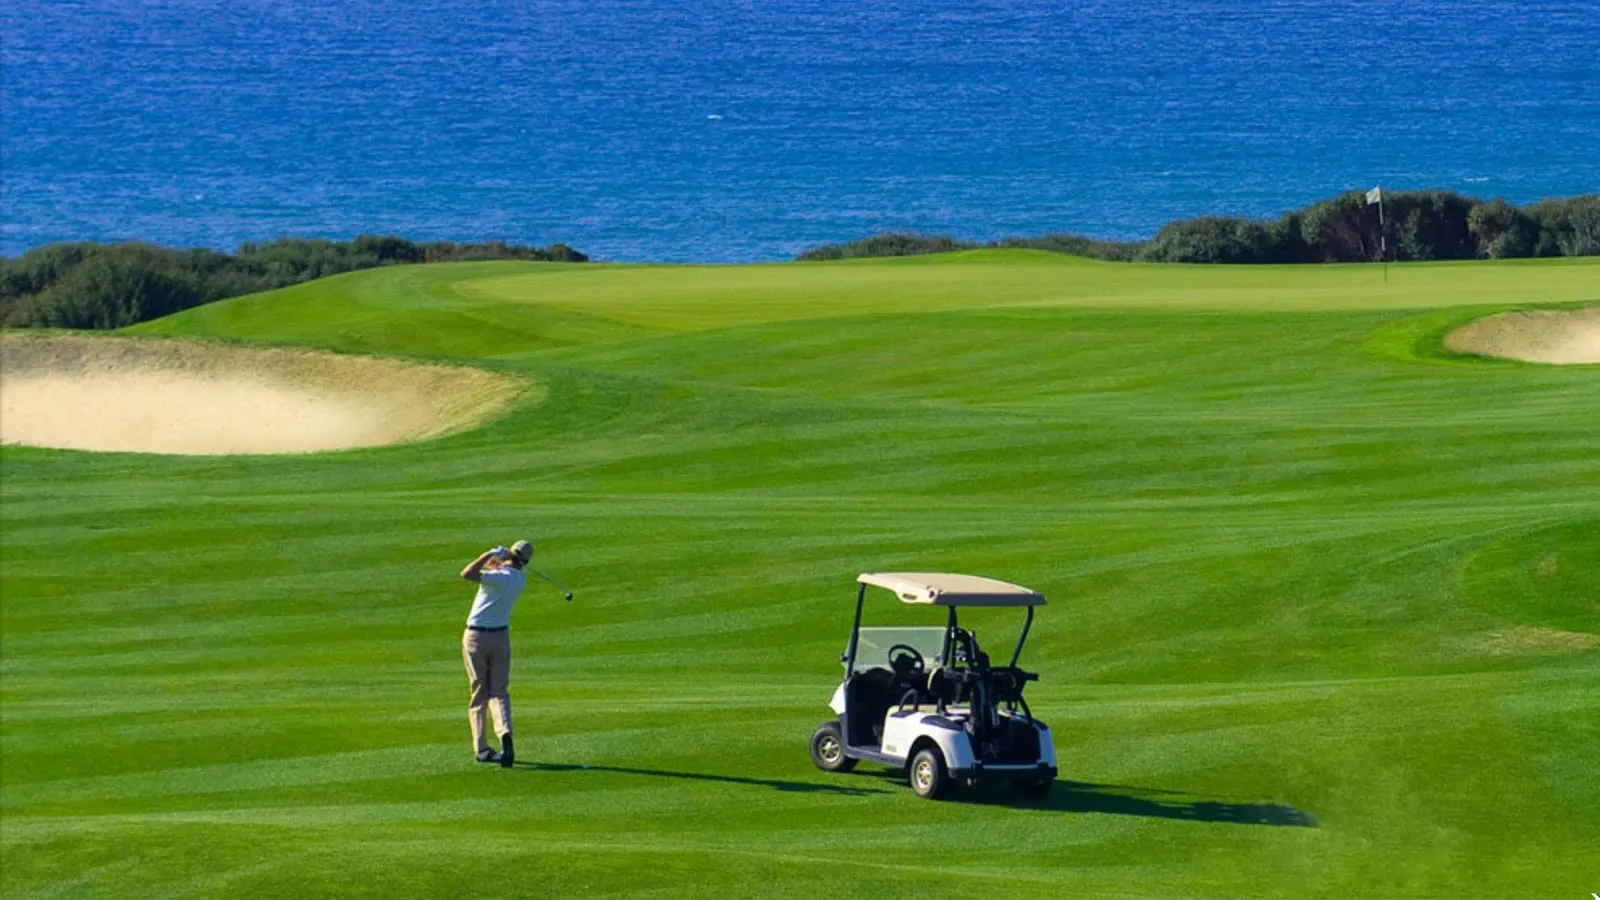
827, 749
929, 778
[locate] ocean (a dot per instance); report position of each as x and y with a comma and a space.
737, 131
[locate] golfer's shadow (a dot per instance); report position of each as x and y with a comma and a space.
797, 787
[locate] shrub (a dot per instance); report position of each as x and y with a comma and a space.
1501, 230
1343, 229
1431, 225
386, 249
1213, 240
36, 270
894, 244
1078, 245
112, 285
1568, 226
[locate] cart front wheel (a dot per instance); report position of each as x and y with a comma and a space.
929, 779
827, 749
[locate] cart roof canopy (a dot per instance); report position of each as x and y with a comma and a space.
948, 589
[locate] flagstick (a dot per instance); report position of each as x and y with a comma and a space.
1383, 240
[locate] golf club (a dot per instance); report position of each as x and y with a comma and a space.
556, 584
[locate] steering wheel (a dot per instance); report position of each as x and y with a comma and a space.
908, 656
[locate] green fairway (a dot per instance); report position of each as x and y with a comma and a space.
1323, 621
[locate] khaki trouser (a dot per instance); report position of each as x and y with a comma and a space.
488, 658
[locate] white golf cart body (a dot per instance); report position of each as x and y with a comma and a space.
940, 689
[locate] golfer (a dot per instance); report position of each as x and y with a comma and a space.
486, 645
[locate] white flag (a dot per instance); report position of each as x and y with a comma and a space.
1374, 196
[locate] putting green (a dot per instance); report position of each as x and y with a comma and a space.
1322, 613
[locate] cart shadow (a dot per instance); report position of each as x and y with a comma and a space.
795, 787
1125, 800
1122, 800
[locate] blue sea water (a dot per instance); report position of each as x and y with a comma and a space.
741, 130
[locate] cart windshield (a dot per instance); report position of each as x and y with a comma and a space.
872, 647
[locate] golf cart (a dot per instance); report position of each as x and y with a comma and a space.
928, 700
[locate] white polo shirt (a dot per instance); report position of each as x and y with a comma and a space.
497, 593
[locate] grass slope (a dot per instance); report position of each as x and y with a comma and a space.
1322, 622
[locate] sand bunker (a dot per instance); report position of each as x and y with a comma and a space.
161, 396
1543, 336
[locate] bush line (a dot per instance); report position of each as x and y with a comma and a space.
1421, 225
103, 286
